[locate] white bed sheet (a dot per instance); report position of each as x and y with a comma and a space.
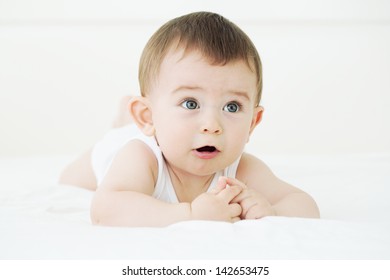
40, 219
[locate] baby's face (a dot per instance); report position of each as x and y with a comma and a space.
203, 114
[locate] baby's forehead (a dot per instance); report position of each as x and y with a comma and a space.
180, 62
190, 67
194, 70
177, 54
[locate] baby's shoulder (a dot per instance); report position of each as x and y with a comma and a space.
138, 151
251, 163
251, 168
134, 167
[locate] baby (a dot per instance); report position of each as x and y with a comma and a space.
183, 156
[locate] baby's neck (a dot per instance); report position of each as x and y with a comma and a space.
188, 186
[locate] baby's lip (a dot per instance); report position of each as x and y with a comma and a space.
207, 149
206, 152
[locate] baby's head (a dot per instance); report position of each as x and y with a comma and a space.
216, 38
200, 79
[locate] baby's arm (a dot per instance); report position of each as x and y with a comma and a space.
264, 194
125, 195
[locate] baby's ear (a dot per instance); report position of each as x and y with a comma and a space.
256, 118
141, 113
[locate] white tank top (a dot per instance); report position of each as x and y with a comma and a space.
104, 152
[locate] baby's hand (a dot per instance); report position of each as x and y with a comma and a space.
217, 205
254, 205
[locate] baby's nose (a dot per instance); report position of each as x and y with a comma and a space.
211, 124
211, 130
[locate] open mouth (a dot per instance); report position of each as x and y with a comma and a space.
207, 149
206, 152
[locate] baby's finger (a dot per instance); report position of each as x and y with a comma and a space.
258, 211
235, 209
247, 205
254, 214
228, 194
244, 194
221, 184
235, 182
236, 219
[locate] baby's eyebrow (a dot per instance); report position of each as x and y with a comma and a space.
243, 94
237, 93
186, 88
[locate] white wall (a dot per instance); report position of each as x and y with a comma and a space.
64, 65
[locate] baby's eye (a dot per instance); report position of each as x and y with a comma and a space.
190, 104
232, 107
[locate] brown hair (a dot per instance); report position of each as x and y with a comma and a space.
217, 38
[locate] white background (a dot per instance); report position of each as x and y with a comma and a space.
65, 64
